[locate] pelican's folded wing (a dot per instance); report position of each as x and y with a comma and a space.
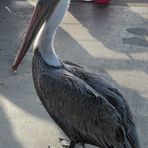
79, 106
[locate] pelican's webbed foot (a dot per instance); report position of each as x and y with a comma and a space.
67, 143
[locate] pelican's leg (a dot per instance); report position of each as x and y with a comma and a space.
82, 145
72, 144
66, 143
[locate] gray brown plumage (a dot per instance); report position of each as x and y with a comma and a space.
86, 108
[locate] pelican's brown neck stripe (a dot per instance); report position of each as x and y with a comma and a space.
42, 12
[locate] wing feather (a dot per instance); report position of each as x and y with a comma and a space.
113, 96
71, 99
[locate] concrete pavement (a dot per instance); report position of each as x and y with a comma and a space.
112, 42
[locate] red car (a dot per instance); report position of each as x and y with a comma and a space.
103, 2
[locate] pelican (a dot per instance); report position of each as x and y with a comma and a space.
86, 108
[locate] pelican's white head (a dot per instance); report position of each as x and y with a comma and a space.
45, 37
51, 13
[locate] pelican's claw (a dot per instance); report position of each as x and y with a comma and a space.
65, 142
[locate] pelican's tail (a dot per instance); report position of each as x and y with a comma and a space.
133, 139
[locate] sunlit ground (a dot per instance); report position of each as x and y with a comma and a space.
124, 64
96, 49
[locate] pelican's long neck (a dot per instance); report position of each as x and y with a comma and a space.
45, 37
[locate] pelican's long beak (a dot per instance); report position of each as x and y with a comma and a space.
42, 12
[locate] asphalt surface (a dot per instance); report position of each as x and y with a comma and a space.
112, 42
